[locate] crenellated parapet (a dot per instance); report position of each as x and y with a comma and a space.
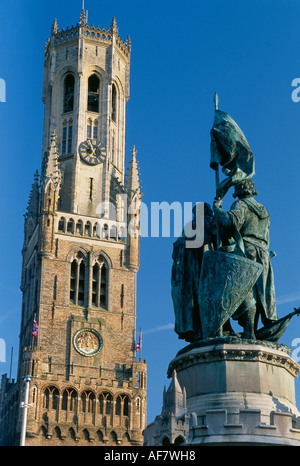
93, 33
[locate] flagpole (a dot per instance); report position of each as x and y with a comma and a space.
24, 405
217, 174
140, 343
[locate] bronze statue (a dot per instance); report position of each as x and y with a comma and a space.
231, 275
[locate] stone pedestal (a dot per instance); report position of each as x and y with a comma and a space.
239, 392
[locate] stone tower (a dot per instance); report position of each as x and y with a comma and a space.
79, 258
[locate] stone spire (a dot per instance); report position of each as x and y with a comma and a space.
133, 186
54, 29
50, 168
33, 201
174, 399
128, 43
114, 27
82, 20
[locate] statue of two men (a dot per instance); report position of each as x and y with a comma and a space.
230, 275
243, 231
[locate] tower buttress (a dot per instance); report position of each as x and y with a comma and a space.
134, 197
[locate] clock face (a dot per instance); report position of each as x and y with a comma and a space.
92, 152
87, 342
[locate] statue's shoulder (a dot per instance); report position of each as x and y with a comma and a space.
257, 208
238, 205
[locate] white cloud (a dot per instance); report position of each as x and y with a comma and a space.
159, 328
288, 298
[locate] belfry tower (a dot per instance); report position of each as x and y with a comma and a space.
79, 260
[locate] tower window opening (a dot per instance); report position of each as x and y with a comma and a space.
92, 129
95, 132
70, 136
81, 284
89, 131
64, 140
77, 280
99, 284
114, 103
93, 93
67, 137
69, 85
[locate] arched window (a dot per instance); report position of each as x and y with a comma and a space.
67, 137
77, 280
69, 85
79, 227
105, 403
179, 440
114, 103
122, 405
99, 283
51, 398
87, 402
93, 93
57, 432
70, 226
72, 433
62, 224
69, 398
165, 442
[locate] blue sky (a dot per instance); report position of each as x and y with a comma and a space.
182, 52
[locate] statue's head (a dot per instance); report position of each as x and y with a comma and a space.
244, 189
207, 210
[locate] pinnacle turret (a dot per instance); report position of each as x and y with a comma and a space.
50, 167
54, 29
33, 201
133, 180
82, 20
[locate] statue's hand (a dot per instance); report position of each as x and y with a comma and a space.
217, 203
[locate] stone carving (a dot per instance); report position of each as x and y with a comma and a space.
231, 275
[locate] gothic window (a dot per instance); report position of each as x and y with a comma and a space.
89, 128
87, 229
69, 398
95, 130
87, 402
114, 103
93, 93
67, 137
79, 227
62, 224
70, 136
77, 280
86, 435
70, 226
179, 440
92, 129
57, 432
64, 139
122, 405
105, 403
72, 433
69, 85
51, 398
166, 441
99, 283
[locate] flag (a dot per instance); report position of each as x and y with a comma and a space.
139, 343
35, 328
230, 149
